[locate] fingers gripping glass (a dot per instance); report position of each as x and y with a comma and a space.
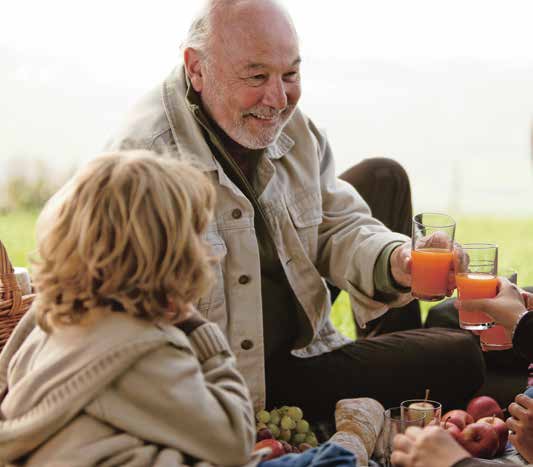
432, 252
476, 268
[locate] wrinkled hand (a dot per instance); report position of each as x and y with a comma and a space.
400, 264
521, 425
429, 447
400, 260
505, 308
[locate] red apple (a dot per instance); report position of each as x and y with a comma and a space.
276, 448
484, 406
501, 430
458, 417
480, 440
452, 429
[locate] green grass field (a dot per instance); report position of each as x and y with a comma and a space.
514, 237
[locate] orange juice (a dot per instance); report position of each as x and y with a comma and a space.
475, 285
495, 338
429, 273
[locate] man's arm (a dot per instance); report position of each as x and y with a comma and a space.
351, 242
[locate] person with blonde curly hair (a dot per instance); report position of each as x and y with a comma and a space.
113, 364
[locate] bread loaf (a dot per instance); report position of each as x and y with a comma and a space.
362, 417
352, 443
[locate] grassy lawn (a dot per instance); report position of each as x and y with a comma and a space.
514, 237
17, 233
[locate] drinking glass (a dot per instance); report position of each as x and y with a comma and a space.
432, 410
497, 337
431, 254
394, 423
476, 267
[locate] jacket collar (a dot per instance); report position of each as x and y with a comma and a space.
184, 112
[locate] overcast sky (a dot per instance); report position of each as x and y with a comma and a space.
435, 84
110, 32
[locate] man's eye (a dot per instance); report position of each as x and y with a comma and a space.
257, 78
291, 76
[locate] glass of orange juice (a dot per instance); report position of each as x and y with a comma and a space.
476, 267
431, 255
497, 337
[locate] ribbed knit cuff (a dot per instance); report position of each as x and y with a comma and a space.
383, 280
208, 341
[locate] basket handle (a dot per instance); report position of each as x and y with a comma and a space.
9, 287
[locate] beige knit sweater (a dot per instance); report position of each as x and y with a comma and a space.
122, 391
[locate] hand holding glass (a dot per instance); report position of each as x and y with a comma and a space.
431, 254
476, 267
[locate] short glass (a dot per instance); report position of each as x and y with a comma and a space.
476, 267
497, 337
394, 423
432, 410
431, 254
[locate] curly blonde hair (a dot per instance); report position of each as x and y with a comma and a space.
124, 235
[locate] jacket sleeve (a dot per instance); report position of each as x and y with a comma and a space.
193, 401
351, 240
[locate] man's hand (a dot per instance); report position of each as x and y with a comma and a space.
521, 425
429, 446
400, 260
400, 264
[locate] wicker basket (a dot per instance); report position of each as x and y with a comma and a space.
12, 303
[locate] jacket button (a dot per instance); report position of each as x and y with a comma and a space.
247, 344
236, 214
244, 279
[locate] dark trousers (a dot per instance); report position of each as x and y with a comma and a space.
391, 366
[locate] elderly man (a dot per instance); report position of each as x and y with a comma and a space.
284, 223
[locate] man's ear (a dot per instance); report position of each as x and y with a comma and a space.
193, 67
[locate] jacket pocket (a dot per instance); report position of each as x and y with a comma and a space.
305, 212
213, 304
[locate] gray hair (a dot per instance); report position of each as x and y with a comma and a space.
198, 35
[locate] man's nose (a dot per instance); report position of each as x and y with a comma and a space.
275, 95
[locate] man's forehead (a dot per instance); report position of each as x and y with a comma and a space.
257, 65
257, 33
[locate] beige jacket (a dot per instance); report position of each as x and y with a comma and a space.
122, 392
322, 228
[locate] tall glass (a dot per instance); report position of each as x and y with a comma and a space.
431, 254
476, 267
497, 337
396, 422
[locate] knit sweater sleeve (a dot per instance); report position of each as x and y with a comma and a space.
193, 401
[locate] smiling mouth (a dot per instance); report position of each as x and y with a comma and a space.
264, 117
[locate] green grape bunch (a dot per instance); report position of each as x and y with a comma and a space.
287, 425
